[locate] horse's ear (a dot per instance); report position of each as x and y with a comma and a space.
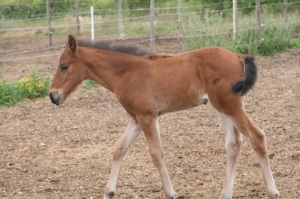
72, 43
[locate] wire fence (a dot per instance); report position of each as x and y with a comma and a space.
135, 26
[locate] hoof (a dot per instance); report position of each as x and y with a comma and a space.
273, 196
109, 195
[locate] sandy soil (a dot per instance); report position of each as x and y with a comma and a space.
65, 152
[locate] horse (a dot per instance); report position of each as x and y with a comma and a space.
148, 85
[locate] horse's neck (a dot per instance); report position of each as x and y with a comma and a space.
106, 68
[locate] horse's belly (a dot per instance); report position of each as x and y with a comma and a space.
177, 104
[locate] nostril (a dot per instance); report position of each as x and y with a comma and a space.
52, 98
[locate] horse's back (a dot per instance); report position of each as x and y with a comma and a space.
177, 82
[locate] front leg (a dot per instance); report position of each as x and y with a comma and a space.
150, 127
126, 140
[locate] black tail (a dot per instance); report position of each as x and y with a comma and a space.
248, 80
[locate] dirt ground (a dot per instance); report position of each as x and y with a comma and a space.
66, 151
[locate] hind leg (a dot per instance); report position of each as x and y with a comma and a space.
257, 140
233, 141
232, 106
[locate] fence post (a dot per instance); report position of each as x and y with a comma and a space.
92, 23
234, 8
120, 17
152, 34
77, 17
179, 10
258, 20
49, 23
285, 10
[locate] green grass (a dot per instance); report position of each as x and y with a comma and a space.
31, 86
215, 30
88, 84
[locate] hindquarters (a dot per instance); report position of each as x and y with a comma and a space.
224, 75
225, 70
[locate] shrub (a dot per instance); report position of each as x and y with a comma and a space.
31, 86
10, 93
274, 39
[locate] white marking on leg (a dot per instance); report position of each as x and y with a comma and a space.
126, 140
233, 142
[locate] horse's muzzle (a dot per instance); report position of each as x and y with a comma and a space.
55, 97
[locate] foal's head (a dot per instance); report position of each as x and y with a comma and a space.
69, 74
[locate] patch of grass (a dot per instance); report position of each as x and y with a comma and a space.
31, 86
295, 42
205, 31
275, 38
10, 94
88, 84
215, 30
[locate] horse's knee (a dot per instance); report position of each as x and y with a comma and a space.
258, 142
119, 152
157, 157
233, 148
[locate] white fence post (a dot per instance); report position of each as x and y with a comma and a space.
234, 6
179, 10
92, 23
152, 34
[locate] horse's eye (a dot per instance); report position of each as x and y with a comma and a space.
64, 68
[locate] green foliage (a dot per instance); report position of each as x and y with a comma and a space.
10, 94
22, 9
276, 36
19, 9
89, 84
201, 32
295, 42
31, 86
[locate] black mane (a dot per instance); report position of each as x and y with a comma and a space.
106, 45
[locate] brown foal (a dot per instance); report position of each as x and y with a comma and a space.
148, 85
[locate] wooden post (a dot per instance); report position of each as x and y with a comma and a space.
286, 11
258, 20
77, 17
120, 19
152, 34
49, 23
234, 8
